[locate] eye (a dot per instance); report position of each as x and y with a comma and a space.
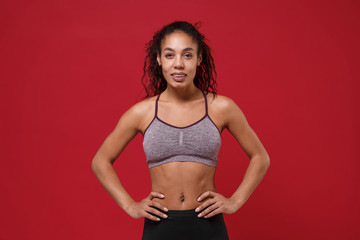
188, 55
168, 55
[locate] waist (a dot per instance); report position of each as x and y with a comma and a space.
185, 199
182, 183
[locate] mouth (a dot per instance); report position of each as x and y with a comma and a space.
178, 76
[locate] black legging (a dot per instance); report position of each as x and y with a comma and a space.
185, 225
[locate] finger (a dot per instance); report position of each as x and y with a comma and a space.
205, 205
156, 212
155, 194
213, 213
151, 217
158, 205
208, 210
206, 194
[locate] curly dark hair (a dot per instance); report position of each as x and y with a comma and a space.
205, 78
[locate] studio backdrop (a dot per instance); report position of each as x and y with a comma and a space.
70, 69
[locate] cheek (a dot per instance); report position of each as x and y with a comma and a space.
165, 66
193, 69
165, 69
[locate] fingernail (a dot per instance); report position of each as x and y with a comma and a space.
199, 215
164, 216
162, 195
198, 199
197, 209
166, 209
158, 219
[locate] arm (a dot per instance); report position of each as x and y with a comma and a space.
126, 129
237, 125
259, 158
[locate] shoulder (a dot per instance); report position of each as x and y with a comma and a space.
226, 110
222, 103
142, 108
140, 111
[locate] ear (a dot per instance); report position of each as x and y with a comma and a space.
158, 59
199, 59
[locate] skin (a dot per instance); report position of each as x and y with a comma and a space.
181, 185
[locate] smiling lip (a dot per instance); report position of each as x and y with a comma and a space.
178, 79
178, 73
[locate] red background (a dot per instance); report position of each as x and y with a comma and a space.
69, 70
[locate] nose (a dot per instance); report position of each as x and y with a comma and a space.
179, 62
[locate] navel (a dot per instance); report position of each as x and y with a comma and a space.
182, 198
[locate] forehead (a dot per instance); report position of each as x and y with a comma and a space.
178, 40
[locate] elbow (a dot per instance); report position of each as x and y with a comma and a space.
264, 160
267, 161
95, 164
98, 163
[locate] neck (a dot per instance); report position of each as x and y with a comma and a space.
181, 95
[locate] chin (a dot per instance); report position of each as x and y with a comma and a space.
179, 84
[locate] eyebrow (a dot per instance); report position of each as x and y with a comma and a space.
185, 49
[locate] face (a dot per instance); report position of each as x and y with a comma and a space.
179, 59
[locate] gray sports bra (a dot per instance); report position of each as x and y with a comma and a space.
198, 142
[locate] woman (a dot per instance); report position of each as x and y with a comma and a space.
181, 124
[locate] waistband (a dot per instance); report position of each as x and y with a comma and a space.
179, 213
189, 216
183, 213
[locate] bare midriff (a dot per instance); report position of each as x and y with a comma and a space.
182, 183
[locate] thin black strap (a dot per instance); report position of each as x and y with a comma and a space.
156, 104
206, 106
